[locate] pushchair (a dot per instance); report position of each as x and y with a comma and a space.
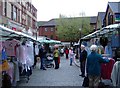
49, 61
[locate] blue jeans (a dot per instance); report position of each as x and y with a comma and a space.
42, 63
71, 60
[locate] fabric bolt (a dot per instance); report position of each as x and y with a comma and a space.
115, 75
106, 69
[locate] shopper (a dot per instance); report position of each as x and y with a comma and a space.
66, 52
83, 56
56, 56
94, 66
42, 54
71, 56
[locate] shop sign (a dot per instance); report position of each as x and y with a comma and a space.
117, 17
13, 28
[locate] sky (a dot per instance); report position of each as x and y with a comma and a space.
50, 9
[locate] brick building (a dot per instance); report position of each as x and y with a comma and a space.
18, 16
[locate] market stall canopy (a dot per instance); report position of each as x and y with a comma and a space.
7, 33
47, 40
103, 31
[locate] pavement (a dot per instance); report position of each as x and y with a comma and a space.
66, 75
77, 62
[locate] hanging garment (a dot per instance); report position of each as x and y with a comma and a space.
30, 54
106, 69
23, 54
4, 54
36, 50
10, 47
108, 50
115, 75
16, 71
10, 71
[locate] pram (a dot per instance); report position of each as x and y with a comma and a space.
49, 61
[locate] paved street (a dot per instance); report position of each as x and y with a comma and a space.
66, 75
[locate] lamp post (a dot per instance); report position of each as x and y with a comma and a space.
80, 47
80, 39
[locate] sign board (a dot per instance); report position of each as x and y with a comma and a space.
117, 17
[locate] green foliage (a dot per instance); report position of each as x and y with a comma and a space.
68, 28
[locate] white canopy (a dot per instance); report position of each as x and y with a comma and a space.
7, 33
104, 30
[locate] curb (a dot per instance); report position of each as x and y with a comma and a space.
77, 64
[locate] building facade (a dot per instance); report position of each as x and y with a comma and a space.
48, 29
112, 14
18, 16
100, 20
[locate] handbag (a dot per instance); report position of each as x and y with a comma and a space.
86, 82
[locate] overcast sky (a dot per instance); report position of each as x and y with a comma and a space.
49, 9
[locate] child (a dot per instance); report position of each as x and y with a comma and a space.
71, 56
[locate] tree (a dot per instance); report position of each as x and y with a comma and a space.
68, 28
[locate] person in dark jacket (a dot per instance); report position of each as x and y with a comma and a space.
83, 56
93, 67
42, 54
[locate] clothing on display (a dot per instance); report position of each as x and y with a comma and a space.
115, 75
106, 69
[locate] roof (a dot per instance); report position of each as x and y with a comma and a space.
40, 23
93, 19
115, 6
51, 22
101, 15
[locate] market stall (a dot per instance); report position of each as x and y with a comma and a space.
15, 59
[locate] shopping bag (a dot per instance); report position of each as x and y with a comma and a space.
86, 82
59, 60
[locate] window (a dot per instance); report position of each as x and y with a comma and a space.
11, 11
110, 18
51, 29
18, 14
5, 8
46, 29
15, 13
28, 20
